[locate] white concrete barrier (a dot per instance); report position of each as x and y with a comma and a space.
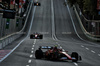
3, 43
0, 45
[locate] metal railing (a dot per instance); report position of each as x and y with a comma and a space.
91, 28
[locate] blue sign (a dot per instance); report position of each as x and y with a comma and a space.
99, 13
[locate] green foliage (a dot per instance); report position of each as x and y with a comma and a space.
90, 6
71, 2
87, 6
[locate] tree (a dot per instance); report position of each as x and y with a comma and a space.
87, 6
72, 2
90, 7
81, 4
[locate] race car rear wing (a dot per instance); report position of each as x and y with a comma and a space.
32, 36
46, 47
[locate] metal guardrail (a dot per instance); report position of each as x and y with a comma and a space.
9, 38
91, 26
83, 20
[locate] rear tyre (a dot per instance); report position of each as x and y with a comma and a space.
31, 36
38, 54
74, 55
41, 36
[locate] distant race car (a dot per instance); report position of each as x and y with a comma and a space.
37, 4
36, 36
53, 53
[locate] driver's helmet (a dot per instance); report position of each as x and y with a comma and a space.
55, 47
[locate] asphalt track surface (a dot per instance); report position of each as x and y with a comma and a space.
64, 36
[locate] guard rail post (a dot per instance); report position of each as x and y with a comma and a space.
0, 44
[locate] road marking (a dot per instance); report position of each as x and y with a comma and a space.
33, 45
31, 56
31, 51
29, 61
98, 54
66, 32
32, 48
27, 65
58, 44
87, 48
35, 41
82, 46
92, 51
75, 64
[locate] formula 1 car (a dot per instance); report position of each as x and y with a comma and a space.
37, 4
36, 36
52, 53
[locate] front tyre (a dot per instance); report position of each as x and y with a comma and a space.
74, 56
